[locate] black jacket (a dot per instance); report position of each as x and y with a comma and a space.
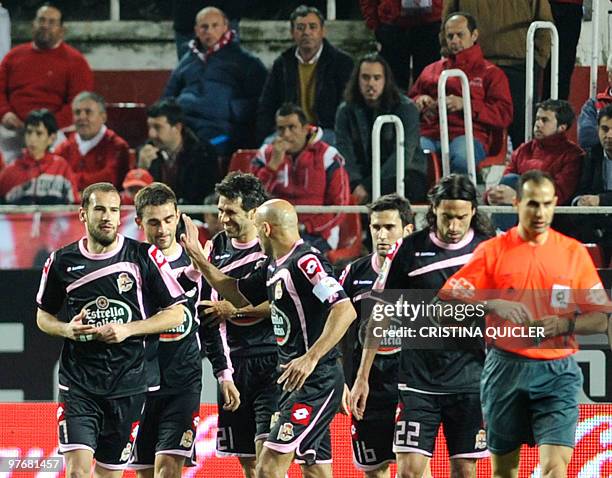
591, 179
333, 71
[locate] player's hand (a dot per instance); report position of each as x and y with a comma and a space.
296, 372
216, 312
11, 121
359, 397
76, 330
515, 312
345, 405
454, 103
146, 155
231, 396
113, 333
190, 238
588, 200
501, 194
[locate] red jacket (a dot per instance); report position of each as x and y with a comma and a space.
375, 12
315, 177
556, 155
47, 181
108, 161
31, 78
489, 92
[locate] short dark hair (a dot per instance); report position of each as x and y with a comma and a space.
471, 20
169, 108
535, 176
562, 109
605, 112
44, 117
288, 109
393, 202
458, 187
155, 194
390, 96
304, 10
243, 185
94, 188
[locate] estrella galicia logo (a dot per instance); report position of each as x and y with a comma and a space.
102, 311
180, 332
281, 325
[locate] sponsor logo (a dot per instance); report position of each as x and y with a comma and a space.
180, 332
187, 439
124, 283
354, 434
61, 413
462, 288
280, 324
127, 451
300, 414
398, 411
223, 256
157, 256
424, 254
75, 268
274, 419
103, 311
311, 266
285, 432
278, 290
481, 440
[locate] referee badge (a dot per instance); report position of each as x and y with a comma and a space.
285, 432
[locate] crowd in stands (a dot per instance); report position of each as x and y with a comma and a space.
312, 114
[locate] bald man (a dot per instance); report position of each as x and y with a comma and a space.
297, 279
218, 83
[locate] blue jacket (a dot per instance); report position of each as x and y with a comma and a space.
219, 97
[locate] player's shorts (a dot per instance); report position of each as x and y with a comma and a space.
418, 418
529, 401
302, 423
255, 379
168, 426
105, 426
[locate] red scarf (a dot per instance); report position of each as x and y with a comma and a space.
226, 39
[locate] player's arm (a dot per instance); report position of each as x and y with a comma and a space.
224, 284
219, 311
164, 319
73, 330
361, 387
340, 317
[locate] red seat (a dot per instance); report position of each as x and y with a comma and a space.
241, 160
349, 245
596, 253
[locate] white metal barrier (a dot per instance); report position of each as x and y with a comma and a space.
115, 10
529, 79
467, 121
331, 9
594, 49
399, 158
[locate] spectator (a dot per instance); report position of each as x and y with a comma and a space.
595, 188
313, 75
567, 15
134, 181
184, 13
38, 177
302, 169
489, 92
372, 92
95, 153
175, 156
46, 73
587, 121
550, 151
503, 37
405, 33
218, 84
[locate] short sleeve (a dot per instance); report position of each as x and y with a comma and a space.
319, 273
51, 292
472, 277
390, 276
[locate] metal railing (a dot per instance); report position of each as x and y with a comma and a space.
399, 159
467, 121
594, 48
529, 79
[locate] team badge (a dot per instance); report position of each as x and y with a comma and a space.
481, 440
187, 439
278, 290
300, 414
124, 283
285, 432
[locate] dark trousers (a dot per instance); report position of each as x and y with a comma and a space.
398, 45
568, 20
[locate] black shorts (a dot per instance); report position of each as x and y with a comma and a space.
372, 439
419, 415
168, 426
302, 423
106, 426
255, 379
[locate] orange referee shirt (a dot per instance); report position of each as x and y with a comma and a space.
554, 278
